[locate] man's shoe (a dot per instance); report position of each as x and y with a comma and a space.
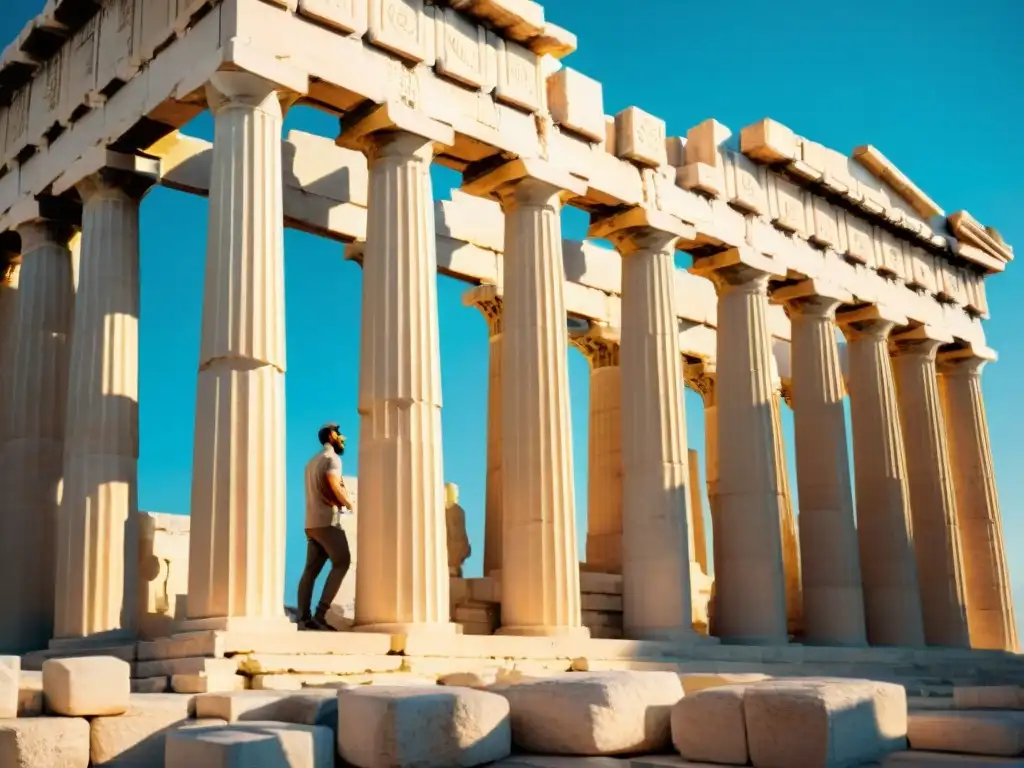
320, 624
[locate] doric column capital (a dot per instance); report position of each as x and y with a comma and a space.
43, 220
738, 270
599, 342
526, 181
924, 340
700, 376
876, 321
965, 361
488, 299
394, 130
638, 229
104, 173
233, 90
812, 298
39, 232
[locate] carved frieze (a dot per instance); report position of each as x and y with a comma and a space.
349, 16
404, 27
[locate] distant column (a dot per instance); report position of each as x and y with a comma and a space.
487, 298
600, 344
236, 550
990, 614
701, 377
749, 577
540, 586
700, 542
31, 460
932, 496
403, 578
656, 538
97, 533
892, 597
833, 600
787, 520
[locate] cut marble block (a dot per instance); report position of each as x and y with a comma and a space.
818, 723
137, 738
10, 684
158, 684
253, 745
594, 713
993, 732
469, 679
206, 682
30, 694
394, 727
988, 697
311, 707
697, 681
915, 759
44, 742
709, 726
87, 686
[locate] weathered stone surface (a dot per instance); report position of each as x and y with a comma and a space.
253, 745
393, 727
202, 682
696, 681
310, 707
709, 725
44, 742
137, 738
151, 685
30, 694
819, 722
915, 759
86, 686
988, 697
594, 713
10, 684
560, 761
998, 733
482, 679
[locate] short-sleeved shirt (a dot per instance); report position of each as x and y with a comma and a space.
320, 506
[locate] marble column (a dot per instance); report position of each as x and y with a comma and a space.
657, 542
832, 596
487, 299
749, 577
990, 614
787, 520
236, 552
540, 586
10, 268
892, 598
700, 542
31, 459
932, 495
97, 530
403, 578
701, 377
600, 344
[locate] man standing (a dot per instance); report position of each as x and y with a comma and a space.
325, 494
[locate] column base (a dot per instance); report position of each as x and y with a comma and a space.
98, 640
260, 624
574, 633
675, 635
409, 628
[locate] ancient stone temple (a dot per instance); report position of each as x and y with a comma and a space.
816, 276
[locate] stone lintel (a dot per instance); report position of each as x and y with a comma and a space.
100, 159
809, 289
737, 258
968, 230
396, 117
240, 55
598, 331
640, 218
883, 169
871, 313
489, 182
923, 333
969, 351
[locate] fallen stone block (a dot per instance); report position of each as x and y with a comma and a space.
988, 697
10, 684
151, 685
202, 682
697, 681
998, 733
477, 680
816, 723
253, 745
87, 686
137, 738
30, 694
311, 707
595, 713
440, 726
44, 742
709, 725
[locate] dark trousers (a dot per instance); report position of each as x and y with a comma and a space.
323, 544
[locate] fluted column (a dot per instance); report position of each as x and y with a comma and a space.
540, 587
600, 344
236, 551
892, 598
932, 496
657, 541
990, 614
787, 520
833, 600
97, 530
700, 542
31, 459
403, 584
749, 576
487, 299
701, 377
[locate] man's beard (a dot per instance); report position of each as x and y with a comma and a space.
340, 450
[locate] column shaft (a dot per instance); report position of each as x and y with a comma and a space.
833, 601
31, 464
787, 525
892, 598
402, 537
702, 378
540, 588
932, 497
749, 576
990, 614
236, 552
656, 534
97, 532
700, 543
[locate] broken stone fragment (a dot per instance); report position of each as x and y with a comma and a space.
87, 686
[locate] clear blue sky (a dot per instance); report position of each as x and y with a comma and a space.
938, 87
